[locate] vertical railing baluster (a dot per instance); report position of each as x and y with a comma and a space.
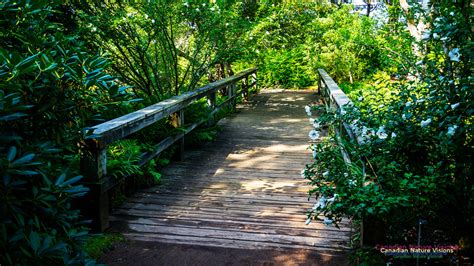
245, 88
177, 121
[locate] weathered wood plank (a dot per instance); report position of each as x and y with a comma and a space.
242, 191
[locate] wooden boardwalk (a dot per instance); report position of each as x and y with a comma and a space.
243, 190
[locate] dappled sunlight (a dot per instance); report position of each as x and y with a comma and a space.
286, 148
262, 184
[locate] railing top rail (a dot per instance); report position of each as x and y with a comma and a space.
123, 126
337, 95
338, 99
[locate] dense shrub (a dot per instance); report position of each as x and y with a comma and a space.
51, 86
413, 162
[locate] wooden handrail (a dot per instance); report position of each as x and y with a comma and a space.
123, 126
335, 98
94, 155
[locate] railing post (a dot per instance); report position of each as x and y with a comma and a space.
178, 121
94, 169
245, 88
231, 93
319, 84
254, 77
211, 102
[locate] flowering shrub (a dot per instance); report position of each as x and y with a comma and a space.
412, 156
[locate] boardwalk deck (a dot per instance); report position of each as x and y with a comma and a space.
242, 191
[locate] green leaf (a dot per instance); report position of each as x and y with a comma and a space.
34, 241
11, 153
72, 180
26, 62
60, 180
24, 172
23, 160
13, 116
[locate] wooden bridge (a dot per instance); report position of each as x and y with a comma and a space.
242, 191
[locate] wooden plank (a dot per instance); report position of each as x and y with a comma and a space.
315, 229
231, 243
181, 231
227, 221
242, 191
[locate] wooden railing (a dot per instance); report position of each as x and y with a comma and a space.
336, 99
94, 156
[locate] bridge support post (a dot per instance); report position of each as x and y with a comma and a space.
245, 88
177, 121
211, 102
95, 204
232, 94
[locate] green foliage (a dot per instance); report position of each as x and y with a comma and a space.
414, 155
51, 86
99, 244
290, 41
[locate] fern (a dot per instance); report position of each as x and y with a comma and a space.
123, 158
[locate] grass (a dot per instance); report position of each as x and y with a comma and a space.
99, 244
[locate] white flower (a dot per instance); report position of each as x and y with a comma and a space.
454, 55
327, 221
381, 133
94, 29
451, 13
212, 9
426, 122
322, 202
311, 120
408, 104
454, 106
426, 35
452, 130
267, 32
404, 117
435, 36
316, 125
346, 174
186, 4
153, 21
198, 10
203, 4
333, 198
307, 108
360, 98
227, 24
394, 135
308, 221
326, 174
313, 134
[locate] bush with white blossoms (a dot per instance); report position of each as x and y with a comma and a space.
413, 154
